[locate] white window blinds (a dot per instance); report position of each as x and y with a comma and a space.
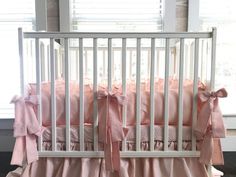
222, 14
13, 14
117, 15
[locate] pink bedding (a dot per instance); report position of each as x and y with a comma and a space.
209, 129
131, 102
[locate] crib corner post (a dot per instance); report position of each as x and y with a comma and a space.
21, 57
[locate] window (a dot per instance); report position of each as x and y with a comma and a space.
117, 15
222, 14
118, 18
12, 15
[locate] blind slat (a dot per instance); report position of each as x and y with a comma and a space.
117, 15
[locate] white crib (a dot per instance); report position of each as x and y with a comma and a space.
110, 58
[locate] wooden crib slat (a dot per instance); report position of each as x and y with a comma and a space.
103, 63
180, 100
202, 60
21, 57
187, 66
109, 64
67, 93
56, 64
53, 94
77, 64
86, 62
38, 89
95, 106
166, 94
138, 94
213, 58
81, 92
152, 94
124, 110
130, 63
158, 63
195, 91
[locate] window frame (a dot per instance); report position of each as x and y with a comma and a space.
41, 15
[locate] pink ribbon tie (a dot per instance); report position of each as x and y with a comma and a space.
110, 130
26, 130
210, 126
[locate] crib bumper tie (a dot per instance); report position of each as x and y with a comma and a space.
110, 130
210, 127
26, 130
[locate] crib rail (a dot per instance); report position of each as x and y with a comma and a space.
127, 154
181, 39
58, 35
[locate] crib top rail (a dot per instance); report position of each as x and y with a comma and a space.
162, 35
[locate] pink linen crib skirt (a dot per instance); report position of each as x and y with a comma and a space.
130, 167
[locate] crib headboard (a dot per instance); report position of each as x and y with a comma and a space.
122, 57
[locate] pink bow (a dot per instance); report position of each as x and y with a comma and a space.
26, 129
210, 126
110, 130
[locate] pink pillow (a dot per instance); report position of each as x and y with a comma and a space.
131, 102
159, 107
60, 102
159, 102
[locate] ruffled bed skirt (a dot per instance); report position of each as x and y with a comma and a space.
130, 138
130, 167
